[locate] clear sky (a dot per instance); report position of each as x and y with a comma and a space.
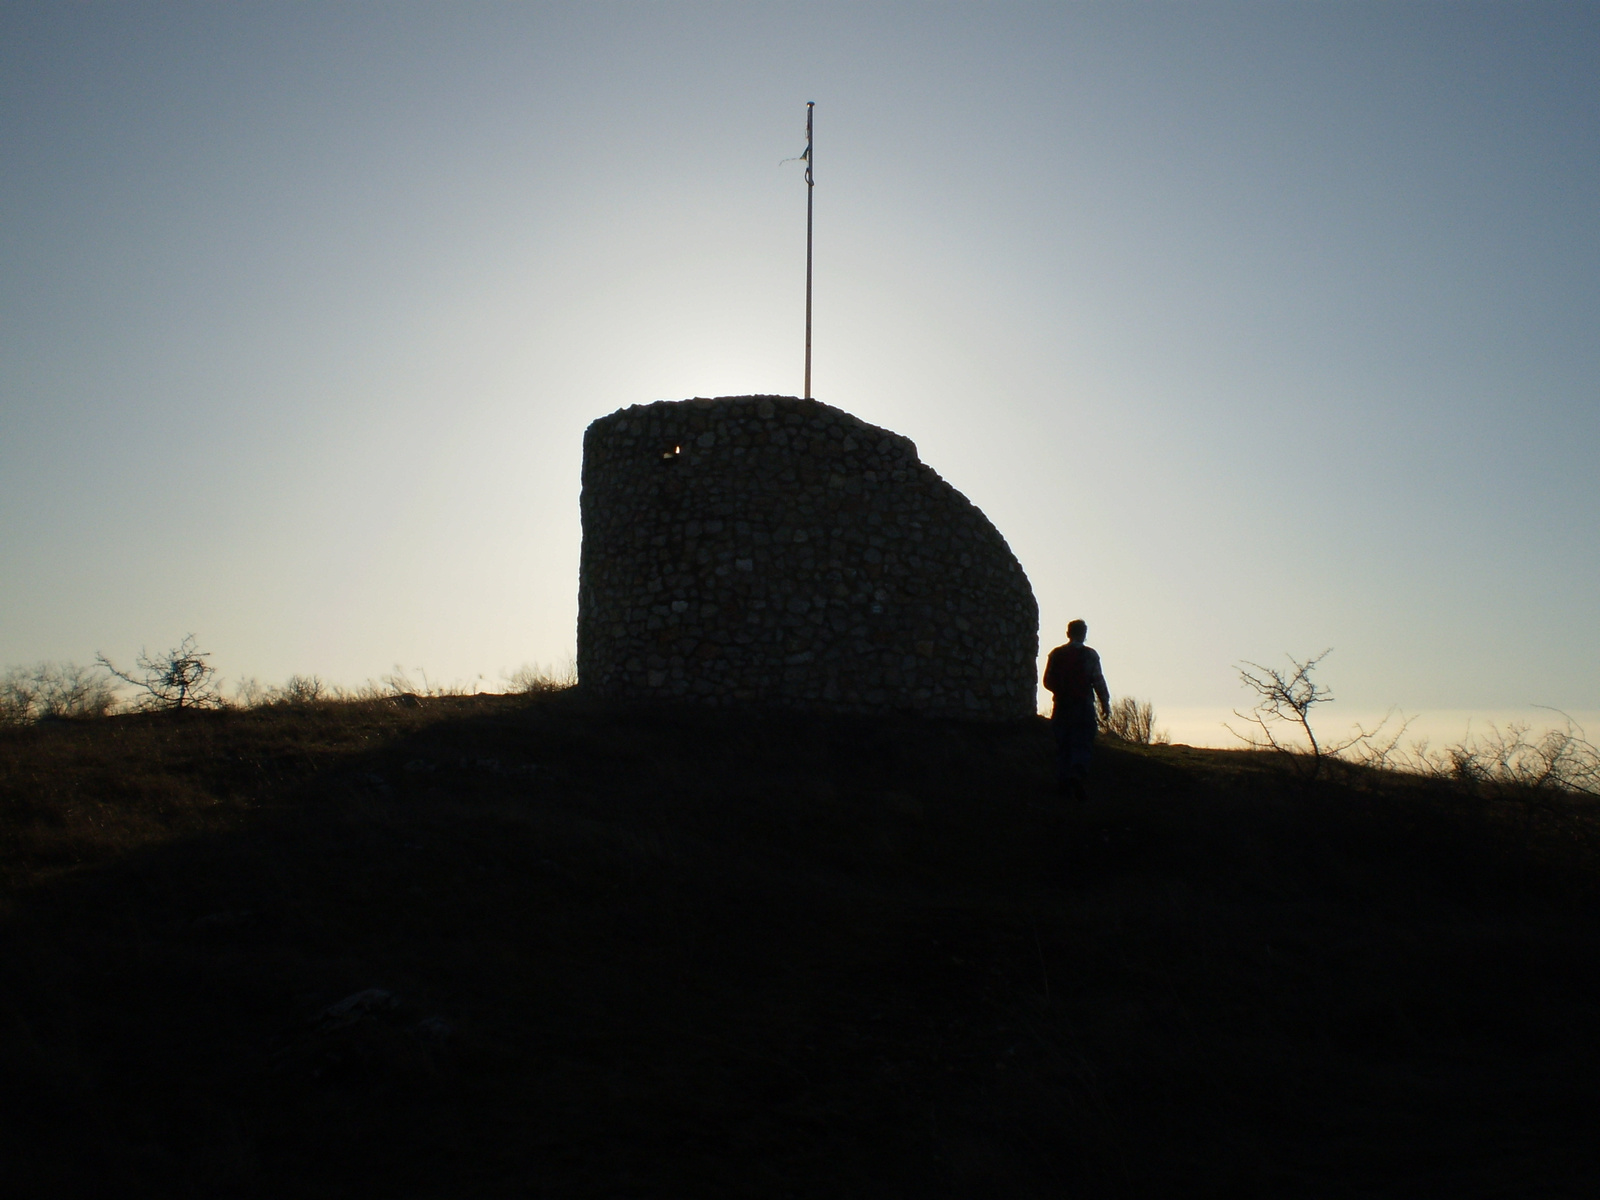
1255, 328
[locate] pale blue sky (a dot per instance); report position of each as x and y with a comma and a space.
1254, 327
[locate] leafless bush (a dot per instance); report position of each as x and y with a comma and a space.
532, 679
181, 678
1515, 759
1282, 717
1133, 721
250, 693
68, 690
1379, 747
16, 697
54, 690
301, 689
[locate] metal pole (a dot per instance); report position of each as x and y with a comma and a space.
810, 187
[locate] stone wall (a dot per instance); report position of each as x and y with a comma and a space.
770, 550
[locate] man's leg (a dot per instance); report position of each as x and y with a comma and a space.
1080, 753
1061, 728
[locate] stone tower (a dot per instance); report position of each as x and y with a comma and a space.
770, 550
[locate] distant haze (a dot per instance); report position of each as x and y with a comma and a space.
1255, 328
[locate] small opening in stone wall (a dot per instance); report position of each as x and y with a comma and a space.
670, 454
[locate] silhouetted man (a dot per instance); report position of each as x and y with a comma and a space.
1072, 675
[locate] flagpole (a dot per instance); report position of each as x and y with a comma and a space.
810, 186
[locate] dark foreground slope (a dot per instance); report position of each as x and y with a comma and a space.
592, 953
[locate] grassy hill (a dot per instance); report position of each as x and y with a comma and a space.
507, 946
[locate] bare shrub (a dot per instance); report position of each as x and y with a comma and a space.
16, 697
54, 690
1515, 759
1133, 721
531, 679
1282, 718
251, 693
68, 690
301, 689
181, 678
1379, 747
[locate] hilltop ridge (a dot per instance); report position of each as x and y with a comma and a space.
540, 946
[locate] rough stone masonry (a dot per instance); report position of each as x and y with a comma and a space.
768, 550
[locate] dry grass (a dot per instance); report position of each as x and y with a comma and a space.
532, 679
663, 952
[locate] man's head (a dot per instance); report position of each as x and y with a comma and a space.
1077, 630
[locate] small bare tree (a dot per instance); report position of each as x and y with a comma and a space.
181, 678
1282, 715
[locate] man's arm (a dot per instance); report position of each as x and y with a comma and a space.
1097, 680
